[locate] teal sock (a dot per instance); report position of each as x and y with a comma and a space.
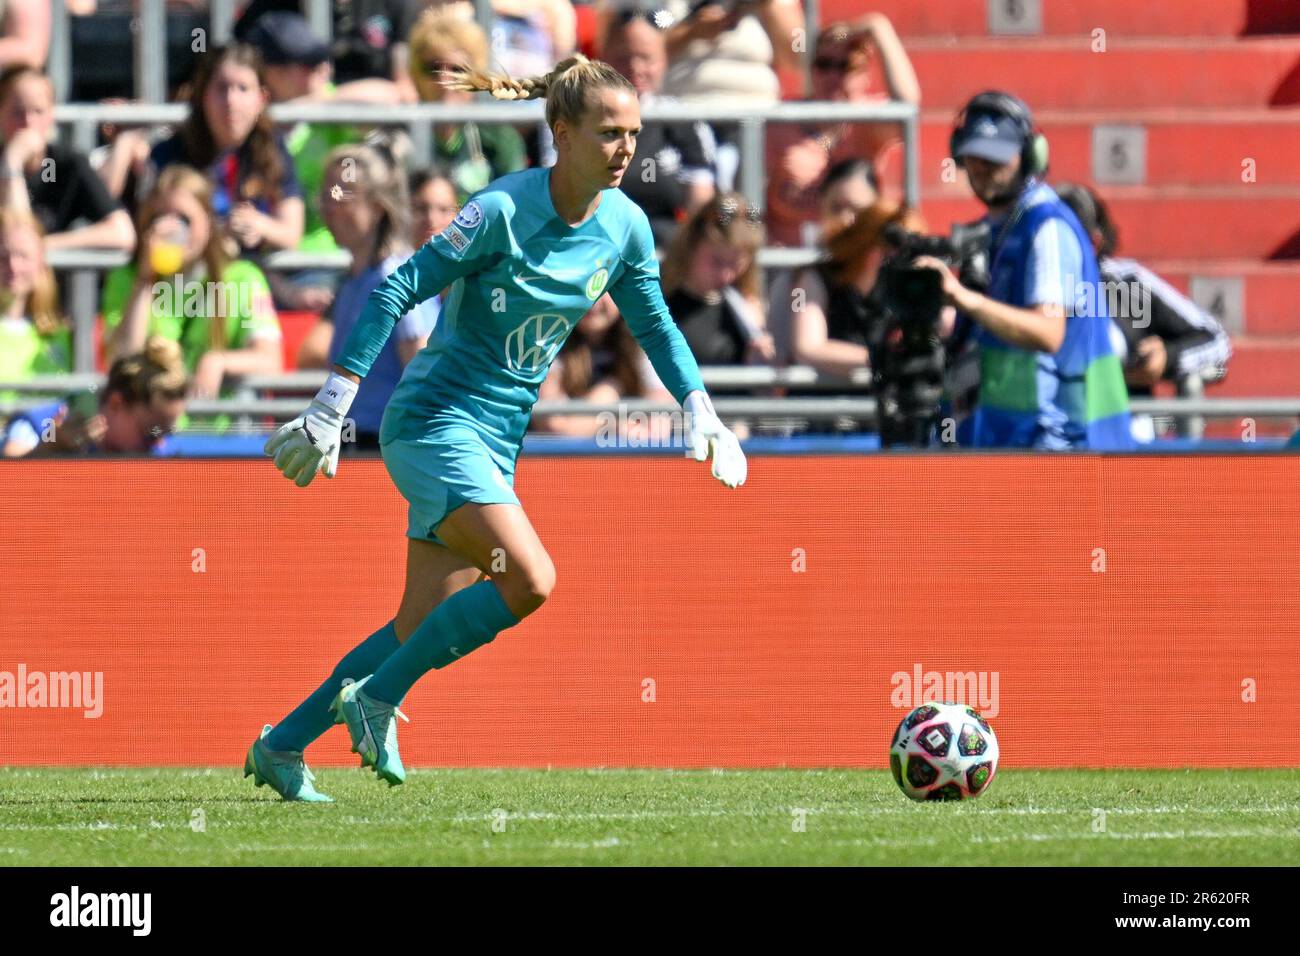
313, 717
468, 619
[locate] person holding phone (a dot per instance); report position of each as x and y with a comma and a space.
733, 48
849, 62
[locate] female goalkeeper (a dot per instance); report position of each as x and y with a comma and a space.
525, 259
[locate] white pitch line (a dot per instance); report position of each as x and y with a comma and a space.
1147, 835
93, 827
931, 842
973, 813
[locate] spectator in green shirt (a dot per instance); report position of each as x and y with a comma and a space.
472, 155
34, 337
182, 286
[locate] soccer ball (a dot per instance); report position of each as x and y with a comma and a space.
943, 752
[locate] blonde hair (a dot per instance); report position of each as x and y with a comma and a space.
157, 370
385, 186
440, 30
567, 88
43, 301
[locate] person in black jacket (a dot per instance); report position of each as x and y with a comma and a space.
55, 182
1163, 335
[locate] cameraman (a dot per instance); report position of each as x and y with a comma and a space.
1048, 375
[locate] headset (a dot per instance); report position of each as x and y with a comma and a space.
1034, 155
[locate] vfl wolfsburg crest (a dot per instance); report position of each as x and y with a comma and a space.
596, 284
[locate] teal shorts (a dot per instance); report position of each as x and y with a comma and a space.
441, 472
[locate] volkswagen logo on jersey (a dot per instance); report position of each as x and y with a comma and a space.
534, 343
470, 216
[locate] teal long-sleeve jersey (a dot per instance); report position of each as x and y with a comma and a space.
520, 280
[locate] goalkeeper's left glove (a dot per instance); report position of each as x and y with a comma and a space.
707, 433
310, 443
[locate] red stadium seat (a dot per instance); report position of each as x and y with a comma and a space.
1270, 291
1230, 223
1260, 368
97, 343
587, 24
295, 326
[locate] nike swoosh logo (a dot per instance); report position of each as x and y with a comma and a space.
560, 274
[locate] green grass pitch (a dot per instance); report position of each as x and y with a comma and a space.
191, 817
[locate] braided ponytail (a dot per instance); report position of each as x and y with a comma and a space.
566, 88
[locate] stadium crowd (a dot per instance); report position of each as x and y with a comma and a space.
198, 207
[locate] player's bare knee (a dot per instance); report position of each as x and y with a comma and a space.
541, 581
527, 587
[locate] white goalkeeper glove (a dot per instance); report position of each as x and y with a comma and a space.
708, 434
310, 443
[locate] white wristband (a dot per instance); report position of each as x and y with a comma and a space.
697, 403
337, 393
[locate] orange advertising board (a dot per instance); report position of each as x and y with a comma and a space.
1102, 611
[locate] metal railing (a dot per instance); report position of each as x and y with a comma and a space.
150, 47
288, 391
420, 120
85, 265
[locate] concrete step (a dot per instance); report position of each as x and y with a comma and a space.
1244, 222
971, 18
1066, 72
